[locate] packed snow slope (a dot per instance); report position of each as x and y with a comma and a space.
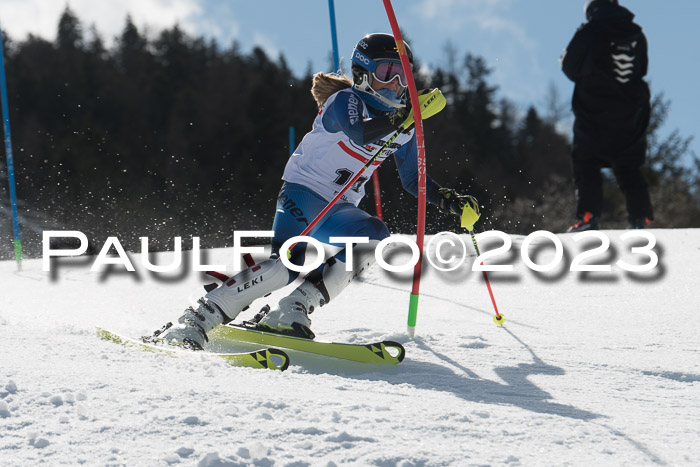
590, 368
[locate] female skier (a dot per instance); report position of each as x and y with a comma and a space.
355, 119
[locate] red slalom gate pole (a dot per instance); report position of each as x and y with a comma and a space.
377, 194
429, 103
420, 145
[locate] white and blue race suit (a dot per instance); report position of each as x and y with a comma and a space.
326, 159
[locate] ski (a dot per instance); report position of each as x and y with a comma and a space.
378, 352
271, 358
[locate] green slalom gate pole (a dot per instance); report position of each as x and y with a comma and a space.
10, 163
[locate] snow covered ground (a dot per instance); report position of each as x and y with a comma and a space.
590, 369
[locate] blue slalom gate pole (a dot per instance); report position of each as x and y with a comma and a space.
8, 153
292, 142
334, 36
336, 68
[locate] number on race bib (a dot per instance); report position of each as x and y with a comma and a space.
344, 175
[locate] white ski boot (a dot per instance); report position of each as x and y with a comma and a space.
192, 328
291, 315
223, 304
238, 292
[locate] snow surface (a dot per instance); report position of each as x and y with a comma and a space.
589, 369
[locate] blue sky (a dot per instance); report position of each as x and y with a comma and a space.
521, 40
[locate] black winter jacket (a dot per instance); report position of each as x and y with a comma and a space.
607, 59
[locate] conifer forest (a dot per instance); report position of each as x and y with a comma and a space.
171, 135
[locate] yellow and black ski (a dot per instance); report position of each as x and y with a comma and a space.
270, 358
378, 352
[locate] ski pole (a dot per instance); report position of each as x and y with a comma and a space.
347, 186
431, 103
469, 217
224, 277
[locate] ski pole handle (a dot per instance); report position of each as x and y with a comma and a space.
431, 101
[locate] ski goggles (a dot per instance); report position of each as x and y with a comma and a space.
383, 71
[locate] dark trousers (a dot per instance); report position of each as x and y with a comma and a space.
589, 183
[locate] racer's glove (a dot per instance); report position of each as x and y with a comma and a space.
465, 206
431, 102
398, 117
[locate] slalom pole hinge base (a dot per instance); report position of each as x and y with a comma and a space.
499, 319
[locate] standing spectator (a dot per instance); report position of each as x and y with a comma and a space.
607, 61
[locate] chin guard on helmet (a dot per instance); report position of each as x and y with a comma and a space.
385, 99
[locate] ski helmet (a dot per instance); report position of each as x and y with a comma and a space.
376, 57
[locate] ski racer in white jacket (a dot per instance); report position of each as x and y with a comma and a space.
356, 118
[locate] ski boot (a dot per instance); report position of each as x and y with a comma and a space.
192, 328
223, 304
639, 223
291, 316
587, 222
